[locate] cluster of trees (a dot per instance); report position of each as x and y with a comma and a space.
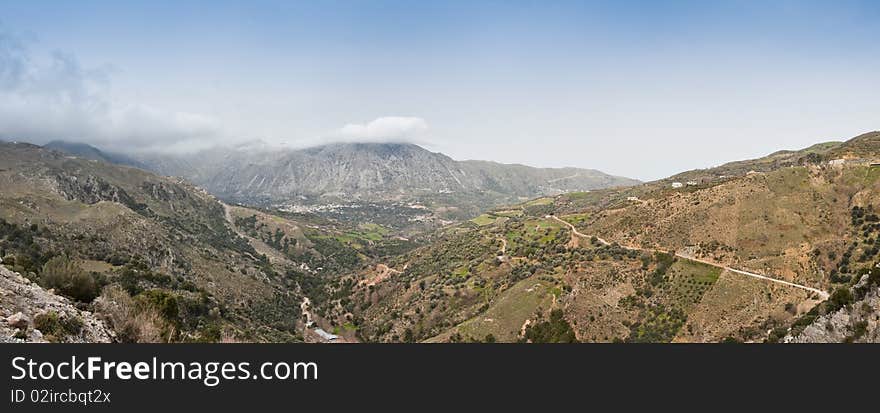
327, 252
390, 247
136, 277
280, 312
867, 224
218, 235
658, 325
329, 295
454, 252
259, 230
458, 338
249, 224
664, 261
19, 248
860, 215
556, 329
539, 210
334, 255
386, 215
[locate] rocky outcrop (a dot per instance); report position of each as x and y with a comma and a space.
858, 322
90, 189
25, 308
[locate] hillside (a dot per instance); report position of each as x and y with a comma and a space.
162, 260
743, 253
780, 248
92, 153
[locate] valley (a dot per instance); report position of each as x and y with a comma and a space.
777, 249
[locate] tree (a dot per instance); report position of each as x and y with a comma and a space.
839, 298
555, 330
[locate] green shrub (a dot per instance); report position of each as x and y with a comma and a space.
777, 334
164, 302
65, 277
859, 330
55, 328
839, 298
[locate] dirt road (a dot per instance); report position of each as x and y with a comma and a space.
578, 233
822, 294
383, 272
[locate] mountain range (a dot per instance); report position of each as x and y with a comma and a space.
353, 172
782, 248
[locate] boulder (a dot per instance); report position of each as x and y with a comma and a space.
18, 320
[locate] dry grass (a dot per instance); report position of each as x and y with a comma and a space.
132, 321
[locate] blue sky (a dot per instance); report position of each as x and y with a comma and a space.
643, 89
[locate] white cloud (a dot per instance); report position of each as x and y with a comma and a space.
56, 98
386, 128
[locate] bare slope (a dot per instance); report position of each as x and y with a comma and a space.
165, 242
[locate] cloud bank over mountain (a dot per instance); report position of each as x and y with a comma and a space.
53, 96
385, 128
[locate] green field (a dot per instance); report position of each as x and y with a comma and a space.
484, 219
510, 310
576, 219
687, 281
510, 213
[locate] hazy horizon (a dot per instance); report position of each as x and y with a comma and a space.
633, 89
268, 146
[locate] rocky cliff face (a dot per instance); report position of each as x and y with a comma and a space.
28, 313
90, 189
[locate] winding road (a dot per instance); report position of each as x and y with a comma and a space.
822, 294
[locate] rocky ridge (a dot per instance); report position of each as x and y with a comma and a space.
25, 307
